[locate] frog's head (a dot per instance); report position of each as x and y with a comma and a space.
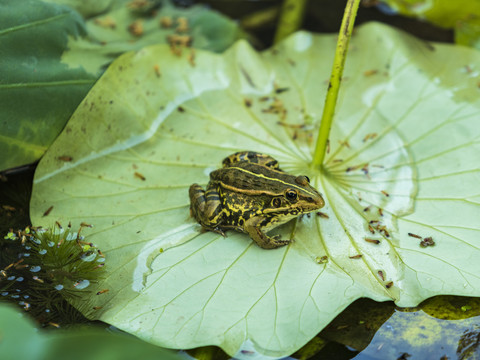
297, 198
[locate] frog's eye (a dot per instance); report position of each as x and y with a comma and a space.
291, 195
276, 202
308, 179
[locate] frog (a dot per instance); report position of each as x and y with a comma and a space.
252, 195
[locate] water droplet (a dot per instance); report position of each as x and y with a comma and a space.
15, 296
47, 310
5, 293
26, 296
27, 247
58, 231
35, 268
50, 243
88, 257
82, 284
11, 278
58, 287
26, 254
71, 236
42, 252
21, 303
20, 278
36, 241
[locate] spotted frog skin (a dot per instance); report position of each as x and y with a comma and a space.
251, 194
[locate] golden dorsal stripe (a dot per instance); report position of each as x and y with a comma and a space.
268, 178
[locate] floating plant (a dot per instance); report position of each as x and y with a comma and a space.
39, 266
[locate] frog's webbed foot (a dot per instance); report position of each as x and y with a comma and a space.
219, 231
269, 242
263, 240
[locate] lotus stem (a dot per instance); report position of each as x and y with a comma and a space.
335, 79
291, 18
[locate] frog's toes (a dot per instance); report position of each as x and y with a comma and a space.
219, 231
279, 243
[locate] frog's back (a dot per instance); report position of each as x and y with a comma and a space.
253, 178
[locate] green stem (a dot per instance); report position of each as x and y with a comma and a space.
291, 18
334, 84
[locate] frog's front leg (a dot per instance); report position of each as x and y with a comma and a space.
253, 228
206, 207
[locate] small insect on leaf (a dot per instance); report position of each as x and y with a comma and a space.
191, 58
344, 143
106, 22
48, 211
321, 259
322, 215
370, 72
359, 256
381, 275
373, 241
139, 176
369, 136
352, 168
65, 158
166, 22
156, 68
414, 235
428, 241
281, 90
136, 28
182, 25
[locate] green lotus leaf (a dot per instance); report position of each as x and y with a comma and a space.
400, 182
17, 330
86, 7
22, 340
460, 15
125, 28
38, 93
440, 12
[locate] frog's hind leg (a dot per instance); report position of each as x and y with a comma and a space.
251, 157
206, 207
